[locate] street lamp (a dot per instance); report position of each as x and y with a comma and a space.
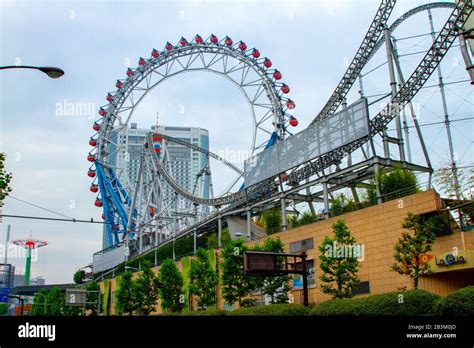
238, 234
130, 267
51, 71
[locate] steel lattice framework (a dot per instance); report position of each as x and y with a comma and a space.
270, 187
412, 85
252, 74
360, 59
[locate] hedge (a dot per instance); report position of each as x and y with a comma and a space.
459, 303
413, 302
273, 310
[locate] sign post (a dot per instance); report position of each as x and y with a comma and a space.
4, 292
265, 264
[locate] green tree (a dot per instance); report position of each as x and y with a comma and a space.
203, 279
306, 218
146, 290
125, 299
55, 301
93, 297
5, 179
277, 287
212, 242
235, 286
3, 308
399, 180
340, 268
39, 304
271, 220
171, 292
341, 203
79, 277
445, 177
411, 246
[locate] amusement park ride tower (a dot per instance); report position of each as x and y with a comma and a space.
29, 244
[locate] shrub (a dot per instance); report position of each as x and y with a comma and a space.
460, 302
3, 309
273, 310
414, 302
337, 307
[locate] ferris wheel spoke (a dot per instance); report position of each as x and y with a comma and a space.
220, 57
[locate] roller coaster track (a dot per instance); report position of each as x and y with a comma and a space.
360, 59
411, 87
407, 15
227, 199
427, 66
198, 148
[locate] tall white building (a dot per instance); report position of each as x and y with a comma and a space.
184, 163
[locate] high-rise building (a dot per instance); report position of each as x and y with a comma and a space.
184, 163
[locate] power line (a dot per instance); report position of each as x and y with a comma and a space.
91, 221
439, 122
424, 87
39, 207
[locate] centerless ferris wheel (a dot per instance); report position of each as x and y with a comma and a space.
144, 204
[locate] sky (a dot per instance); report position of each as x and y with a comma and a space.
310, 42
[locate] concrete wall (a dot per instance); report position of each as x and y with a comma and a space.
378, 228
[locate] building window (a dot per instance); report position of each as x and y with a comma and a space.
301, 245
364, 288
298, 278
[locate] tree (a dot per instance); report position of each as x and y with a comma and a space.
235, 286
3, 309
213, 243
306, 218
171, 292
93, 297
146, 290
79, 277
454, 181
399, 180
125, 295
411, 246
342, 203
39, 304
55, 302
339, 263
277, 287
203, 279
5, 179
271, 220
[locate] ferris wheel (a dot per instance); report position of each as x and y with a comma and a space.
130, 204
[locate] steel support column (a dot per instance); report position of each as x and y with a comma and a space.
284, 225
249, 224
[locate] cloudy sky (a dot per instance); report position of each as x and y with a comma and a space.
311, 43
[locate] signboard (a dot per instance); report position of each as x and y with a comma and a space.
316, 140
76, 297
4, 292
264, 263
261, 263
453, 260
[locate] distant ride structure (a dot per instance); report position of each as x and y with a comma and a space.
339, 149
245, 67
29, 244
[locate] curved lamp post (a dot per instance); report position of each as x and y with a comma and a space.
51, 71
